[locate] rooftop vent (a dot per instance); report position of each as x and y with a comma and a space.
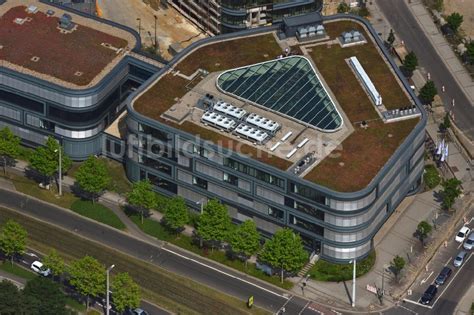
32, 9
50, 13
35, 58
65, 22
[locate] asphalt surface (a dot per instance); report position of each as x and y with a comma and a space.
169, 258
407, 28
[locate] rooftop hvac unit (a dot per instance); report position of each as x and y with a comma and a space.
230, 110
218, 121
263, 123
251, 133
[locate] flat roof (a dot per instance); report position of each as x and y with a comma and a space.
346, 159
33, 43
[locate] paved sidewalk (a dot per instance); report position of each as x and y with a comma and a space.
464, 306
443, 48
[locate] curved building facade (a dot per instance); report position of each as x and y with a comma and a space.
179, 158
37, 101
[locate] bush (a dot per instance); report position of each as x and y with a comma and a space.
431, 176
327, 271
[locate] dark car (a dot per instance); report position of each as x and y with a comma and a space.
443, 276
429, 295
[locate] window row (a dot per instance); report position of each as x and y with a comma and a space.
251, 171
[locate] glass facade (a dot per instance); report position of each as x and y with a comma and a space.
251, 171
288, 86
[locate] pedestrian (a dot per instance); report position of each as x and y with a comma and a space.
443, 89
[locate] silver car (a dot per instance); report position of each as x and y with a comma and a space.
459, 260
469, 243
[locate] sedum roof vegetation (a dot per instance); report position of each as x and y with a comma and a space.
77, 57
364, 152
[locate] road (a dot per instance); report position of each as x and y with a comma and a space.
405, 25
174, 260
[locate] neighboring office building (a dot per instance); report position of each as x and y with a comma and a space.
336, 199
65, 82
226, 16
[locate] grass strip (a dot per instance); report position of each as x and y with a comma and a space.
17, 270
97, 212
175, 293
156, 229
327, 271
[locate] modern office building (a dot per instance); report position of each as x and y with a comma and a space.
226, 16
64, 74
284, 132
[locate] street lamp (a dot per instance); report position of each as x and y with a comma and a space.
60, 173
201, 203
139, 28
156, 43
353, 282
107, 304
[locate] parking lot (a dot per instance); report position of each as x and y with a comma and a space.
454, 288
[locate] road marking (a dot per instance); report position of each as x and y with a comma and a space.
460, 244
458, 272
304, 308
426, 279
447, 261
224, 273
406, 308
416, 303
283, 307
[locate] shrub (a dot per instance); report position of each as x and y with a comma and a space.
431, 176
327, 271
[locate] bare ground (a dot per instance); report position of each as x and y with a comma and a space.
466, 8
171, 26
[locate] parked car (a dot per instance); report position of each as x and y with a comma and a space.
429, 295
138, 311
38, 267
459, 260
462, 234
469, 243
443, 276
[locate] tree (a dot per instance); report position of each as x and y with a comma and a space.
343, 7
142, 197
451, 191
88, 277
55, 263
391, 39
9, 146
397, 265
410, 63
454, 21
50, 300
423, 230
93, 177
12, 239
214, 224
10, 298
126, 293
428, 92
284, 251
446, 124
363, 11
245, 239
45, 159
176, 213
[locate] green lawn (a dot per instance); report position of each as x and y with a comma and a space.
97, 212
72, 303
326, 271
30, 187
177, 294
17, 270
154, 228
431, 176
